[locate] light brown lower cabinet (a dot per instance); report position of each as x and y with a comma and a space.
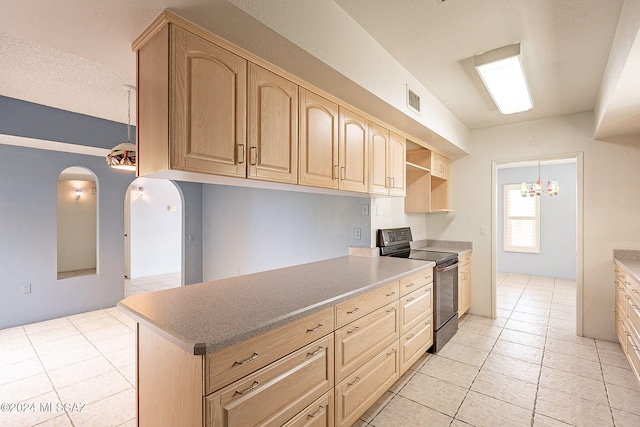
627, 309
356, 393
323, 370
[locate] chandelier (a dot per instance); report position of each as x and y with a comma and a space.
123, 156
535, 188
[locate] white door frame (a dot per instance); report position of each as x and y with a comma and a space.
579, 156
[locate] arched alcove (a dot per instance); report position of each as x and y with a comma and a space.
77, 220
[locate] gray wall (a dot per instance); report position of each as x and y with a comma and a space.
29, 237
192, 217
557, 257
247, 230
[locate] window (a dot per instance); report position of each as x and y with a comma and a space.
521, 221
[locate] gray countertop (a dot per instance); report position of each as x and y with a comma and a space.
210, 316
461, 248
629, 260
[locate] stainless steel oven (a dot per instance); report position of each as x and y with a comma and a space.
395, 242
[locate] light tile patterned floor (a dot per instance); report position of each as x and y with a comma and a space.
524, 368
73, 371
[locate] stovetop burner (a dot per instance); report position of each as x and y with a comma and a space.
394, 242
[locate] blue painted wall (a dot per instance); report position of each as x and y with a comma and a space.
28, 226
557, 257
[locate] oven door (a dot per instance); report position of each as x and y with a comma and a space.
445, 293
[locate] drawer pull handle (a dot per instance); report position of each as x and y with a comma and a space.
633, 346
316, 328
241, 150
356, 381
254, 356
410, 336
635, 291
316, 352
248, 389
410, 299
353, 330
391, 309
355, 310
318, 412
410, 284
391, 294
393, 350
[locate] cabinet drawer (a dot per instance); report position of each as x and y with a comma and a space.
318, 414
361, 389
355, 308
621, 331
633, 287
633, 355
411, 283
621, 298
277, 392
415, 307
230, 364
359, 341
415, 343
633, 314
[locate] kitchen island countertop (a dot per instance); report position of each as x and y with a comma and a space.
210, 316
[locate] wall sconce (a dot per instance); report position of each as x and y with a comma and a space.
78, 194
140, 193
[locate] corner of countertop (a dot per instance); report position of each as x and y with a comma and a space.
364, 251
626, 254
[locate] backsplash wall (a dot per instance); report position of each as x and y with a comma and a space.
247, 230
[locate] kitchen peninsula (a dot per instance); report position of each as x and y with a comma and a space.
281, 346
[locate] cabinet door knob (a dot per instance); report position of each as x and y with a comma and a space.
254, 156
318, 412
241, 151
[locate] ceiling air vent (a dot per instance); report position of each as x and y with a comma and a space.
413, 100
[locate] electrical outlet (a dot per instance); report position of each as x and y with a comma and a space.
483, 230
358, 233
365, 210
26, 288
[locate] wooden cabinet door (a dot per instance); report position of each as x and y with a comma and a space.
378, 147
415, 343
318, 141
209, 107
273, 127
415, 307
354, 152
439, 166
318, 414
397, 157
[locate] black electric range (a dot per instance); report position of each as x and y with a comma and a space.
395, 242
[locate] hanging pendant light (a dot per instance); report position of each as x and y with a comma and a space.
535, 188
123, 156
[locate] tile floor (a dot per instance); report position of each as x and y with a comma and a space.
524, 368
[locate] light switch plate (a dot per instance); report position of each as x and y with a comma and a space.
26, 288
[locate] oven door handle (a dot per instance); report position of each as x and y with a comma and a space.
447, 268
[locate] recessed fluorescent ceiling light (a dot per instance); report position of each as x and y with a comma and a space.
502, 73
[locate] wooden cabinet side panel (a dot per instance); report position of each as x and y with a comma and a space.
318, 142
170, 383
354, 152
273, 127
153, 104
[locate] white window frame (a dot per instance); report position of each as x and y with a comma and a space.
514, 189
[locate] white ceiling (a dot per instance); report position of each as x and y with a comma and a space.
76, 54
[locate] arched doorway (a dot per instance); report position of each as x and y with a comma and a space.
153, 235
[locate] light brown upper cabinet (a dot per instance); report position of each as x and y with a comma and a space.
273, 127
318, 141
387, 154
191, 105
439, 166
353, 155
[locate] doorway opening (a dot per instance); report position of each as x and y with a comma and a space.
540, 291
153, 236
